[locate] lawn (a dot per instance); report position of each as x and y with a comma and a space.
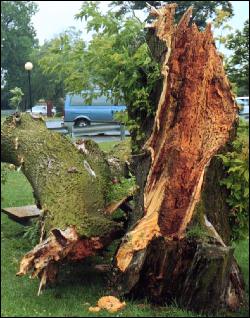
79, 286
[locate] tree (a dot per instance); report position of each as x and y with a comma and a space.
238, 62
58, 67
61, 60
202, 10
16, 98
114, 61
17, 41
47, 86
175, 247
219, 24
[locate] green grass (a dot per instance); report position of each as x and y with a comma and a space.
79, 286
242, 255
108, 145
3, 118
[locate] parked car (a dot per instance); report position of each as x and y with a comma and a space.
243, 103
41, 110
77, 113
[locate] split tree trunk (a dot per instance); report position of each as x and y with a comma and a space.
176, 246
174, 252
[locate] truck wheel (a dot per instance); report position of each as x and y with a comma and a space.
82, 123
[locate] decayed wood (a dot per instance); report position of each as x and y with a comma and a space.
109, 303
195, 114
195, 117
61, 246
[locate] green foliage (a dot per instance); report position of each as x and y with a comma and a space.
237, 65
4, 173
121, 189
202, 10
17, 41
45, 86
32, 233
236, 164
60, 61
196, 231
122, 117
16, 99
219, 23
117, 61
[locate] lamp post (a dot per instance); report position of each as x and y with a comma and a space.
28, 67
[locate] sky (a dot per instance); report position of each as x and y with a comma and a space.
56, 16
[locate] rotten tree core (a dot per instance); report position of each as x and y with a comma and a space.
195, 115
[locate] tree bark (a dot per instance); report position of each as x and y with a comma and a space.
70, 183
174, 252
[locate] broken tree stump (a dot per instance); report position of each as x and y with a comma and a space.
163, 257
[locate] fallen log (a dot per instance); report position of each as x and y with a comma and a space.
70, 183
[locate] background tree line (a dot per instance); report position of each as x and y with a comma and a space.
115, 57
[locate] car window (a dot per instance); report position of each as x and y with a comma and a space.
101, 101
38, 108
243, 101
78, 100
240, 102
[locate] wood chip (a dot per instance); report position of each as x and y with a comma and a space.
110, 303
23, 211
94, 309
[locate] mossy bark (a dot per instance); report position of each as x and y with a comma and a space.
70, 186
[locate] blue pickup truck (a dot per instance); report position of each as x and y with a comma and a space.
77, 113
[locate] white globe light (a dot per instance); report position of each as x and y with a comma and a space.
28, 66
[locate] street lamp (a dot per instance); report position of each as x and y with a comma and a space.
28, 66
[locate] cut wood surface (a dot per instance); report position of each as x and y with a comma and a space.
27, 211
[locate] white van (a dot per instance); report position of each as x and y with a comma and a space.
41, 110
243, 103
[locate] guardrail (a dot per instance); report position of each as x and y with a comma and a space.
107, 129
7, 112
